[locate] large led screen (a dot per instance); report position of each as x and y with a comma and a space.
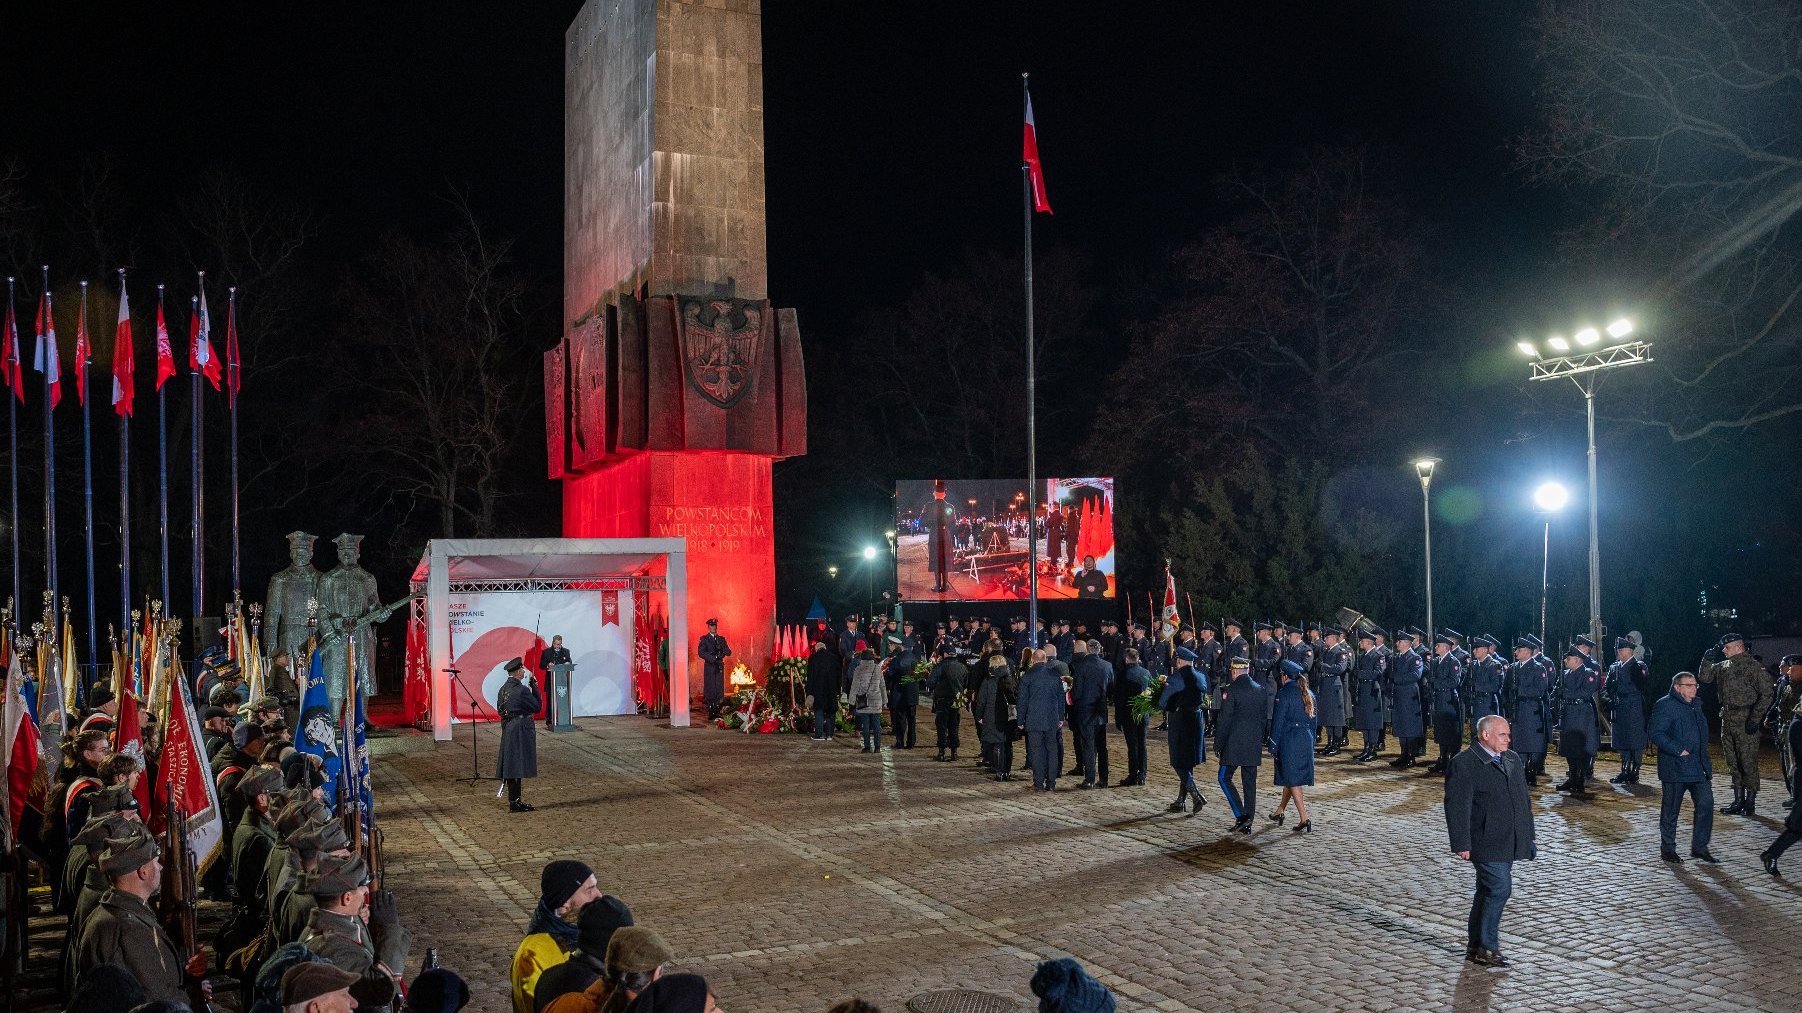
966, 539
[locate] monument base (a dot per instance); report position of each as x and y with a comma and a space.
720, 503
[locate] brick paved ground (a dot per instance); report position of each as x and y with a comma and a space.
794, 873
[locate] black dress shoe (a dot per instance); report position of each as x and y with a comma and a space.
1487, 958
1770, 863
519, 807
1704, 856
1399, 761
1126, 782
1086, 785
1670, 855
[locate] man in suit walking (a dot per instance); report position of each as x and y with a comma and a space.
1490, 820
1681, 732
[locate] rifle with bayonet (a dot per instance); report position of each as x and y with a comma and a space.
177, 907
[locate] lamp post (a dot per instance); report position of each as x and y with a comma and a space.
869, 564
1580, 366
1549, 498
1424, 468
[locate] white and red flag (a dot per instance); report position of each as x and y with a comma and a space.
47, 359
1035, 172
200, 344
1171, 619
83, 350
19, 744
11, 369
165, 351
122, 355
233, 365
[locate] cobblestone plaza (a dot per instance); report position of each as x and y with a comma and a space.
794, 873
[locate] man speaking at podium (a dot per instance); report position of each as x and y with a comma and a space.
556, 654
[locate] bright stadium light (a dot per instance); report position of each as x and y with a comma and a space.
1620, 328
1558, 344
869, 552
1527, 348
1551, 497
1588, 336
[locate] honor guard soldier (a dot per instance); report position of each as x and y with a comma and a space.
1446, 685
1208, 652
713, 651
1239, 742
1331, 668
1483, 682
517, 702
1625, 691
1266, 655
1406, 696
1579, 734
1786, 723
1528, 692
1745, 693
1370, 679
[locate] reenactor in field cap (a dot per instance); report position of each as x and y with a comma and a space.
123, 930
85, 883
254, 839
290, 907
280, 866
376, 952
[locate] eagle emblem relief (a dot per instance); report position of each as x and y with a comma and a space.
721, 341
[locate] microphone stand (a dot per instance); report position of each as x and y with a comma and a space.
476, 704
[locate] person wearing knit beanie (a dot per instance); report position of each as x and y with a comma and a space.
565, 887
676, 993
1064, 987
597, 924
438, 990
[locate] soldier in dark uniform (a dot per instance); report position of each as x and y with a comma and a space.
1370, 680
123, 929
1446, 684
1785, 719
946, 685
251, 843
518, 702
1138, 641
1239, 744
1266, 654
1405, 692
903, 689
1579, 733
1587, 648
1133, 679
1298, 651
1483, 681
1180, 701
1113, 646
713, 650
376, 952
1331, 668
1063, 641
1625, 691
1527, 689
847, 650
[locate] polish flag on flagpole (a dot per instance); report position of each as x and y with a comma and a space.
122, 355
48, 360
10, 366
83, 351
165, 350
200, 345
1035, 172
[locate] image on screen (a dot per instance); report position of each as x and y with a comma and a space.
966, 539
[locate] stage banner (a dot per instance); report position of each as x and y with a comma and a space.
488, 628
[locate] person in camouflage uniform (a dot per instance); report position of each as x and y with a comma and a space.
1786, 722
1745, 691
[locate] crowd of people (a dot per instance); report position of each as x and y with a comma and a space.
583, 953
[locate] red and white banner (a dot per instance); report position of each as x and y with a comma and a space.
1171, 619
1034, 171
19, 745
645, 678
184, 776
128, 738
609, 608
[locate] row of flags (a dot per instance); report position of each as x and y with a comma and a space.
47, 359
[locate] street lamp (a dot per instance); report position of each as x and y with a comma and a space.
1424, 468
1549, 498
1581, 368
869, 565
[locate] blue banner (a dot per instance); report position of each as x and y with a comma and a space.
318, 731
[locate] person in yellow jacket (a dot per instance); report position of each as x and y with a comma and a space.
565, 887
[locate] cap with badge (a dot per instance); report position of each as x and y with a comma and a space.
118, 798
1186, 654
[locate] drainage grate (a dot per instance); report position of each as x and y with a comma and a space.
962, 1000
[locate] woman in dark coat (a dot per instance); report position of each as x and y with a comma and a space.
995, 700
1181, 703
1292, 737
518, 703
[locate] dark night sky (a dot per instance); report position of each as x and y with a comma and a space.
892, 131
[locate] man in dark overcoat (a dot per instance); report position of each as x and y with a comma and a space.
1489, 818
823, 678
517, 703
1239, 740
713, 651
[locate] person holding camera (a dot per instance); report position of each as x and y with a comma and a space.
1745, 694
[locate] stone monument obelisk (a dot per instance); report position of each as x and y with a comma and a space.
676, 385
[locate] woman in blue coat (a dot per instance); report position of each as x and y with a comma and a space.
1292, 728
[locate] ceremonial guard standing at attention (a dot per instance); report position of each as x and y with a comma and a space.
1483, 683
1625, 691
1265, 656
1372, 674
1528, 690
1181, 702
518, 702
1579, 734
1745, 694
1447, 687
713, 650
1408, 718
1335, 659
1208, 652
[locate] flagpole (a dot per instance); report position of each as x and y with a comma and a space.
1032, 450
162, 456
87, 472
12, 401
194, 461
231, 386
124, 503
49, 454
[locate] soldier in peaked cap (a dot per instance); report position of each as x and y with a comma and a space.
1625, 691
1370, 685
1445, 681
518, 702
376, 952
1579, 732
1483, 680
1407, 697
1334, 663
713, 651
1266, 653
1526, 691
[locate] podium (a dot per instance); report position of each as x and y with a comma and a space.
562, 709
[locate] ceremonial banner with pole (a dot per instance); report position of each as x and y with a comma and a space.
84, 353
231, 400
1032, 178
15, 379
49, 362
183, 773
165, 368
122, 394
202, 363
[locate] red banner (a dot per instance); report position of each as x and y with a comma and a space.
609, 608
183, 773
644, 671
416, 689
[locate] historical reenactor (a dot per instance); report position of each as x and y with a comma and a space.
1489, 818
1332, 665
252, 841
1681, 731
1239, 737
376, 950
1446, 685
1091, 686
713, 650
291, 907
518, 702
123, 929
1181, 701
1371, 677
1406, 693
1133, 681
1624, 692
1483, 681
1745, 693
946, 684
1579, 734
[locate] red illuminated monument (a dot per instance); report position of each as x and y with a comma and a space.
676, 385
